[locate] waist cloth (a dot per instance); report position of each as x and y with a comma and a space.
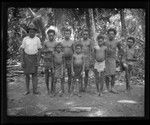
30, 63
99, 66
77, 70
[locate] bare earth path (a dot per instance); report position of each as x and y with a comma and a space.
89, 104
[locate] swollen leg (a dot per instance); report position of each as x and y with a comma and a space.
101, 82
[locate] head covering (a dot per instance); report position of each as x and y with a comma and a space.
32, 27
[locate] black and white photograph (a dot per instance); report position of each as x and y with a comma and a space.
75, 62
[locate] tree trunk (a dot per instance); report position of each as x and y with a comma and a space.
124, 31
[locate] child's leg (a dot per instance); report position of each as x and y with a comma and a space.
101, 81
69, 78
107, 80
127, 77
62, 85
27, 83
112, 81
47, 79
73, 83
81, 84
86, 79
97, 79
54, 85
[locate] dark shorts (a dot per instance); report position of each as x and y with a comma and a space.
30, 64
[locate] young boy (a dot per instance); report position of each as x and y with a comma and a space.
78, 67
58, 66
30, 51
130, 60
48, 50
68, 52
99, 54
87, 48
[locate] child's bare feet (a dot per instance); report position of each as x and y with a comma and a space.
26, 93
36, 93
113, 91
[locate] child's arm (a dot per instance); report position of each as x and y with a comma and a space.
53, 56
72, 60
83, 64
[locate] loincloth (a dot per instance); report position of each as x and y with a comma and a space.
58, 70
99, 66
77, 70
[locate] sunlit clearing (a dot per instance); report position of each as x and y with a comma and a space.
69, 103
127, 101
97, 113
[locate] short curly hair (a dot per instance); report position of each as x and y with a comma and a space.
112, 29
67, 29
132, 38
58, 44
100, 37
78, 44
51, 31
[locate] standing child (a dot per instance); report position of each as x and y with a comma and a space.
99, 54
130, 60
87, 49
78, 67
58, 66
68, 52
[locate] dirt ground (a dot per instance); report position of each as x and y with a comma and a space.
88, 105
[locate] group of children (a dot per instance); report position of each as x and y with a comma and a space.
77, 58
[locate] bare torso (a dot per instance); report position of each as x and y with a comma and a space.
78, 59
68, 50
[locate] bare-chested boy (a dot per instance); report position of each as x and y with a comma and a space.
78, 67
68, 52
48, 50
130, 60
99, 54
87, 48
58, 66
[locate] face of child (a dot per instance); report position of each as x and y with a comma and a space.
78, 49
32, 33
59, 48
111, 35
130, 42
51, 36
85, 35
100, 41
67, 34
